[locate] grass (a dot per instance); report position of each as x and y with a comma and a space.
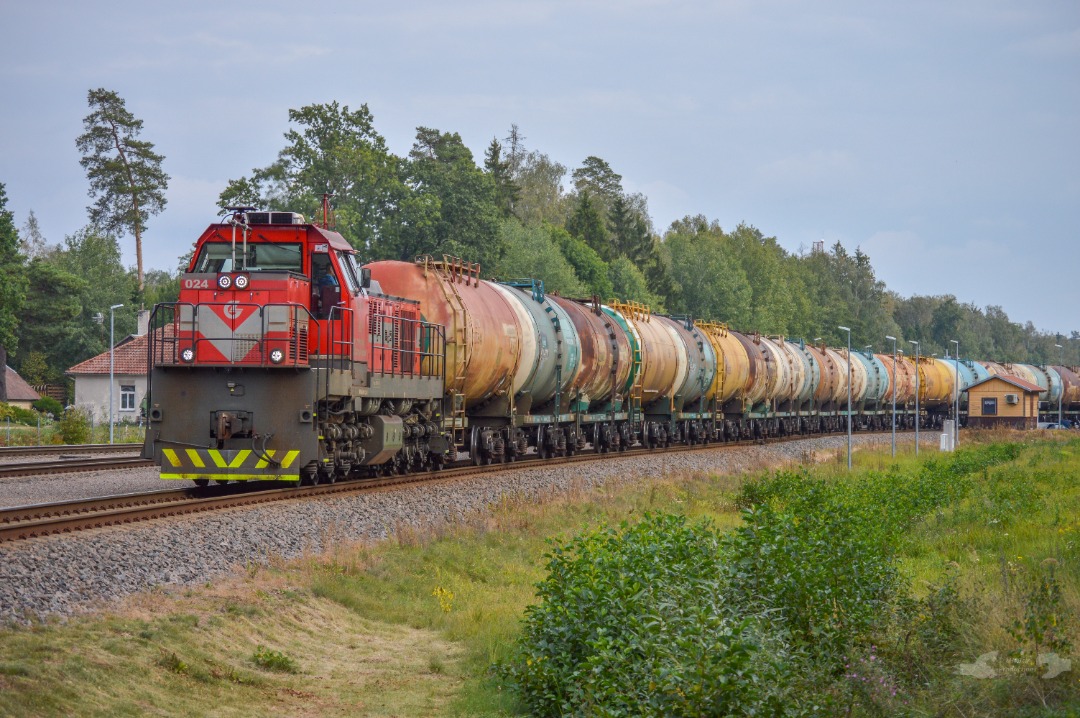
12, 434
413, 625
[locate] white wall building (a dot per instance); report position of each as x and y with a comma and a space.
129, 378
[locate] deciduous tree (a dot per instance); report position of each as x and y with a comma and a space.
336, 151
453, 207
12, 288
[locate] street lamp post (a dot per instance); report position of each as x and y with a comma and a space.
848, 330
956, 424
892, 386
912, 341
1061, 359
112, 364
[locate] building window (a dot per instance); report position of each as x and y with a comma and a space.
989, 406
127, 398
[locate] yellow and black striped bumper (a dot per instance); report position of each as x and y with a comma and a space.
230, 465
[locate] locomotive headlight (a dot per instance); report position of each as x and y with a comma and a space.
188, 355
277, 356
224, 281
241, 281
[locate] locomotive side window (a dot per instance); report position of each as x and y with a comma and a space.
217, 257
325, 287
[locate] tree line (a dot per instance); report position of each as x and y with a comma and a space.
518, 212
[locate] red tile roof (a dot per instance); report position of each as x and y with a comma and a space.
129, 357
17, 388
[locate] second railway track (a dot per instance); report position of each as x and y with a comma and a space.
73, 464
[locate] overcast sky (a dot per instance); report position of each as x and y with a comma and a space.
943, 138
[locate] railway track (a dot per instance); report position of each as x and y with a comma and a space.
72, 464
72, 449
28, 522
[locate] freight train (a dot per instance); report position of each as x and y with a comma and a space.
286, 359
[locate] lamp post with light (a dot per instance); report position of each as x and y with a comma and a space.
892, 385
1061, 359
912, 341
112, 364
956, 424
848, 330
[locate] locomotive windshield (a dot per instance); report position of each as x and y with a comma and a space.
217, 257
347, 260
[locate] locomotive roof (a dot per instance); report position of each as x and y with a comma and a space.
335, 240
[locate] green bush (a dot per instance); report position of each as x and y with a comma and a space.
17, 415
74, 426
821, 577
636, 622
48, 405
800, 610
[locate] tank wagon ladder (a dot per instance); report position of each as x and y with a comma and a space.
455, 270
635, 311
720, 330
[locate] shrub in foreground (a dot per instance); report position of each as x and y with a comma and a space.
636, 621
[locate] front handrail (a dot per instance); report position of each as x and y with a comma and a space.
179, 326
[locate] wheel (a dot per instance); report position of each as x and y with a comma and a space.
202, 482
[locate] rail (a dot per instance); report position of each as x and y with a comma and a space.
29, 522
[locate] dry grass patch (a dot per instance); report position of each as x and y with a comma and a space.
196, 651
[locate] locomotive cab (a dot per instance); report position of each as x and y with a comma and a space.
278, 362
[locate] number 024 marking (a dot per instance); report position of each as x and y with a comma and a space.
196, 284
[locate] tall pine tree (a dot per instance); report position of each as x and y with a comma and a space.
125, 173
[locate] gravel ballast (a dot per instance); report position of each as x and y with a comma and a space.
50, 488
64, 575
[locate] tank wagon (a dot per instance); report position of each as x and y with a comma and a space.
285, 359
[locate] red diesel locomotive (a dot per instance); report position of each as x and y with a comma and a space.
280, 362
